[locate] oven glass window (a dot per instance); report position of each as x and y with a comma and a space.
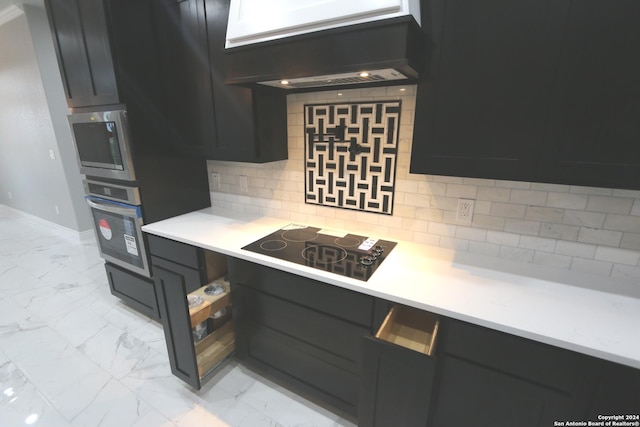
117, 237
98, 145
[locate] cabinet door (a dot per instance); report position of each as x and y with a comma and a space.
184, 67
172, 281
251, 123
594, 135
473, 395
84, 55
617, 393
482, 107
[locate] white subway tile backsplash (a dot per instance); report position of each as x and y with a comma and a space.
599, 237
488, 222
484, 248
616, 255
616, 205
601, 268
494, 194
583, 218
528, 197
559, 231
591, 230
538, 243
626, 272
573, 249
567, 201
516, 254
622, 223
522, 226
552, 260
503, 238
539, 213
461, 191
470, 233
630, 241
508, 210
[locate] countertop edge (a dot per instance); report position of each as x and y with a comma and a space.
610, 339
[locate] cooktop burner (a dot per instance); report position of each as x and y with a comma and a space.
349, 255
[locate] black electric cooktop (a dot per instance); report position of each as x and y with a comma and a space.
349, 255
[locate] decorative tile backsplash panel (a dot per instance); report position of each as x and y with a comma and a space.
350, 155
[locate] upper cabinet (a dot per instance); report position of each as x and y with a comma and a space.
543, 91
593, 135
207, 117
84, 54
253, 21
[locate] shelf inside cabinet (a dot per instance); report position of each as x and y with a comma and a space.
215, 348
211, 304
410, 328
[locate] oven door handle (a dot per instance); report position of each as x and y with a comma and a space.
113, 207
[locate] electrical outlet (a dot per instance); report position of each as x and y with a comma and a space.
57, 209
464, 214
244, 183
52, 154
215, 180
10, 195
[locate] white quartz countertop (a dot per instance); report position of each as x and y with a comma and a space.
590, 315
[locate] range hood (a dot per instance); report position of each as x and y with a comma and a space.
388, 51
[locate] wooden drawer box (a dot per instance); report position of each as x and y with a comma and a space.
398, 368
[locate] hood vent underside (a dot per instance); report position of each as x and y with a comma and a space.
388, 50
372, 76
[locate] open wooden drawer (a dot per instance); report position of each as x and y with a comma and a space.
215, 340
398, 366
410, 328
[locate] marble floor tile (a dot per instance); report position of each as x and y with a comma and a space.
72, 354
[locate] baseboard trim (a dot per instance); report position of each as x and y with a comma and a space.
57, 229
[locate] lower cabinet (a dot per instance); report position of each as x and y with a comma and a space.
137, 291
304, 333
398, 370
194, 300
502, 380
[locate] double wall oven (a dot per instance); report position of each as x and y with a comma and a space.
104, 153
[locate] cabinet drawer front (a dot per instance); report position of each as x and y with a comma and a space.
534, 361
339, 302
396, 385
174, 251
331, 337
133, 289
410, 328
288, 358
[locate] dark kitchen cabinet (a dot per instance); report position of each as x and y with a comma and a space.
593, 130
488, 378
180, 271
617, 392
304, 333
208, 118
482, 106
137, 291
84, 54
543, 91
398, 370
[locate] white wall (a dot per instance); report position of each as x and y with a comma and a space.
590, 230
31, 127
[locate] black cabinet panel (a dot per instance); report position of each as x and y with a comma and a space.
482, 109
181, 253
137, 291
343, 303
322, 331
207, 118
84, 55
395, 387
593, 130
617, 392
172, 284
473, 395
